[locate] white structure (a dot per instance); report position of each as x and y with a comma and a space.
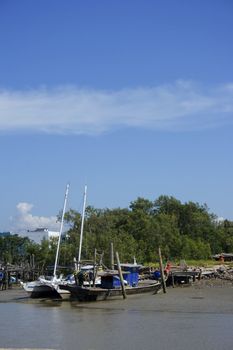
39, 234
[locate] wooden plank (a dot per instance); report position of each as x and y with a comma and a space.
162, 272
121, 276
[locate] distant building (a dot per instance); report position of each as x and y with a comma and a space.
223, 257
39, 234
5, 234
36, 235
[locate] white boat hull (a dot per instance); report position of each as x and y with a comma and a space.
45, 289
36, 289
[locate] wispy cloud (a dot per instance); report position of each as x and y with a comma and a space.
72, 110
24, 220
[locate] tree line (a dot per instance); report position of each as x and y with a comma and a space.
182, 230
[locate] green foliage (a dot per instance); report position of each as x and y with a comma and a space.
182, 231
13, 249
194, 249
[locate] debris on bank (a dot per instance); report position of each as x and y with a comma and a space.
189, 275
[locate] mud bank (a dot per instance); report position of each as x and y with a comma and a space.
207, 295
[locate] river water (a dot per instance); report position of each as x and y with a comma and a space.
190, 318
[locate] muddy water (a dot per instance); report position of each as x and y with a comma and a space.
196, 317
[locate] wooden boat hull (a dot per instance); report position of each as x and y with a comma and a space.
100, 294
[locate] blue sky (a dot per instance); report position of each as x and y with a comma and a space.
133, 98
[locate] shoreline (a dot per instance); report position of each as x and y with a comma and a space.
213, 289
14, 294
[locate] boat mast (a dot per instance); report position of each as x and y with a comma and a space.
82, 225
61, 227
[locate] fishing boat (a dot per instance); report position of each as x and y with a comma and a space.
110, 287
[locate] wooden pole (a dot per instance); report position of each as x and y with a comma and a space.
173, 282
95, 268
120, 275
33, 267
161, 271
95, 256
7, 278
112, 257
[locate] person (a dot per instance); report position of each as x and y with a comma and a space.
9, 281
167, 269
91, 277
221, 258
4, 280
1, 276
81, 278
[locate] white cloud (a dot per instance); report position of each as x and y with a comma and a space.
71, 110
24, 220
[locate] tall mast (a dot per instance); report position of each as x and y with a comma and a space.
82, 225
61, 227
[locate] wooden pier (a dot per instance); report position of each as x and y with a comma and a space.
10, 274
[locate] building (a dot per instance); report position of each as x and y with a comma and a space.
39, 234
5, 234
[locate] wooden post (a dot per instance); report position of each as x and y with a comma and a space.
101, 259
95, 268
112, 257
75, 265
7, 278
173, 282
33, 267
120, 275
162, 272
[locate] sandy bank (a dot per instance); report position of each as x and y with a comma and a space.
15, 294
